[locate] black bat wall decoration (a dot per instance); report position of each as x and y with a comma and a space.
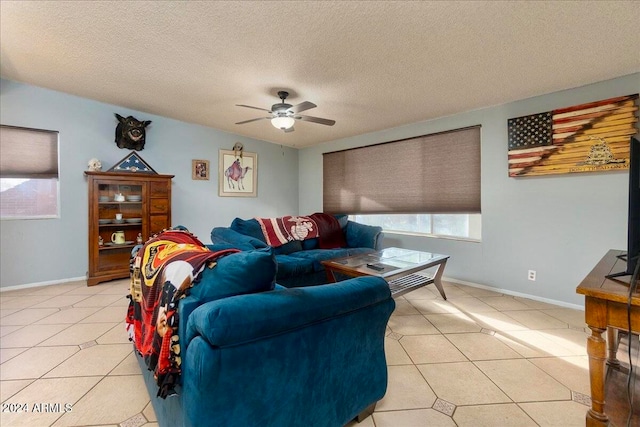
130, 132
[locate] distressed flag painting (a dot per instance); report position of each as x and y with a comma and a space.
583, 138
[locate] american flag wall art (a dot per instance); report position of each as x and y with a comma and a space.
583, 138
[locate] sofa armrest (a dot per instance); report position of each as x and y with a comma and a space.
220, 235
245, 318
363, 236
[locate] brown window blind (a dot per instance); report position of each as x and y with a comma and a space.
437, 173
28, 153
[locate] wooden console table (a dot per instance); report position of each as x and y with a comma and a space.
605, 310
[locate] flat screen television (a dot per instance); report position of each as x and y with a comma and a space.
633, 224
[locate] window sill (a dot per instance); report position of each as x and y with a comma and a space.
432, 236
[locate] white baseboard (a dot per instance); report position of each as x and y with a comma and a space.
47, 283
515, 294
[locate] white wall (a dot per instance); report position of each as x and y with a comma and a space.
35, 251
559, 225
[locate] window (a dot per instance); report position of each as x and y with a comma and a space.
28, 173
466, 226
428, 184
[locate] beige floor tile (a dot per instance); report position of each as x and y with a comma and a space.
28, 316
69, 315
505, 303
122, 301
471, 305
119, 288
453, 323
404, 308
394, 353
31, 335
479, 346
567, 414
60, 301
572, 371
522, 381
96, 360
574, 341
104, 404
536, 304
107, 314
129, 366
498, 321
412, 325
413, 418
431, 349
451, 291
534, 344
7, 312
115, 335
9, 388
22, 302
35, 362
6, 330
421, 293
434, 306
10, 353
59, 393
406, 389
78, 334
534, 319
462, 384
99, 300
503, 415
149, 413
85, 290
479, 292
52, 289
575, 318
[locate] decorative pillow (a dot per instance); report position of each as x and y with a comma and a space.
249, 227
342, 220
239, 273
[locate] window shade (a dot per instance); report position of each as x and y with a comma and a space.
28, 153
437, 173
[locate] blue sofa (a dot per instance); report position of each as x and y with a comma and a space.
258, 354
299, 262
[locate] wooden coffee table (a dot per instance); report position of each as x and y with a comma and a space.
397, 266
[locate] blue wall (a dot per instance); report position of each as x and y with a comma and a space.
48, 250
558, 225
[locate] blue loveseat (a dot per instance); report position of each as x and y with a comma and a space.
258, 354
299, 262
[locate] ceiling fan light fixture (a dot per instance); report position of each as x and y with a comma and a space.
282, 122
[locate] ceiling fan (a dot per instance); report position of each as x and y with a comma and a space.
283, 115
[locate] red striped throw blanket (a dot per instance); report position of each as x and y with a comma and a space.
279, 231
164, 270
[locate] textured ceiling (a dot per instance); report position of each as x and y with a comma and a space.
367, 65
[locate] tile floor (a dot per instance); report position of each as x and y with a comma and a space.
478, 359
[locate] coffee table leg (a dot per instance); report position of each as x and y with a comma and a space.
437, 279
330, 276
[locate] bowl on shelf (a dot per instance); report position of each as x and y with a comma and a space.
103, 199
133, 220
118, 221
134, 198
104, 221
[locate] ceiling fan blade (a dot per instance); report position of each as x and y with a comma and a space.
316, 120
253, 120
303, 106
255, 108
291, 129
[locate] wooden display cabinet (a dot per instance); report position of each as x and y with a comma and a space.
146, 210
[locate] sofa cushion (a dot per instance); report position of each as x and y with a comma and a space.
310, 244
290, 266
343, 220
287, 248
317, 255
248, 227
236, 274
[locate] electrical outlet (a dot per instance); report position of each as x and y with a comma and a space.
532, 275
